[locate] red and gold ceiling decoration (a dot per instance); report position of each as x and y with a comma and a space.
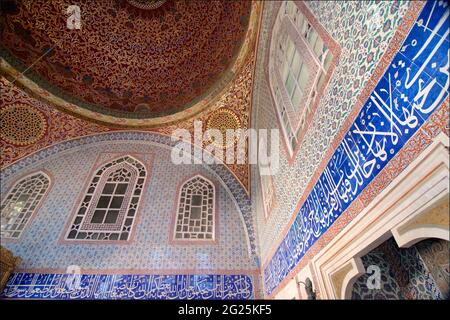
125, 63
18, 108
147, 4
223, 119
128, 70
21, 124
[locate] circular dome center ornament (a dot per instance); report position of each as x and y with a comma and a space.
223, 120
147, 4
21, 124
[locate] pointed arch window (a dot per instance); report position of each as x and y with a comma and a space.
109, 207
196, 210
21, 203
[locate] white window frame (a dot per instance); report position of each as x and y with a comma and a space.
293, 25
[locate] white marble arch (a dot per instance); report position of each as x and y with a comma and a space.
407, 209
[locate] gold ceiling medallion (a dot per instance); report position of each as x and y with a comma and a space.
21, 124
223, 119
147, 4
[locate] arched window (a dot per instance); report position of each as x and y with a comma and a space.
299, 65
21, 202
110, 204
196, 210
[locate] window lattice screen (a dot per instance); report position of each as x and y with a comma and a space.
195, 216
109, 207
21, 202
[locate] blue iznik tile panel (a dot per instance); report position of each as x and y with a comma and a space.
413, 86
149, 138
141, 287
149, 247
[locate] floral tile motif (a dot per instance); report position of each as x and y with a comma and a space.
403, 272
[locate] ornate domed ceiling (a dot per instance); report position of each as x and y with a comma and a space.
131, 59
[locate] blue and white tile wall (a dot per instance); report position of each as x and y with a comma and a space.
221, 270
413, 86
364, 30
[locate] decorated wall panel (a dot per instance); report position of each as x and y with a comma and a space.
149, 252
137, 287
363, 29
71, 170
435, 255
406, 273
231, 182
18, 110
412, 87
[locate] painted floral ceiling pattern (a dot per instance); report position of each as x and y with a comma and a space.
126, 61
18, 92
